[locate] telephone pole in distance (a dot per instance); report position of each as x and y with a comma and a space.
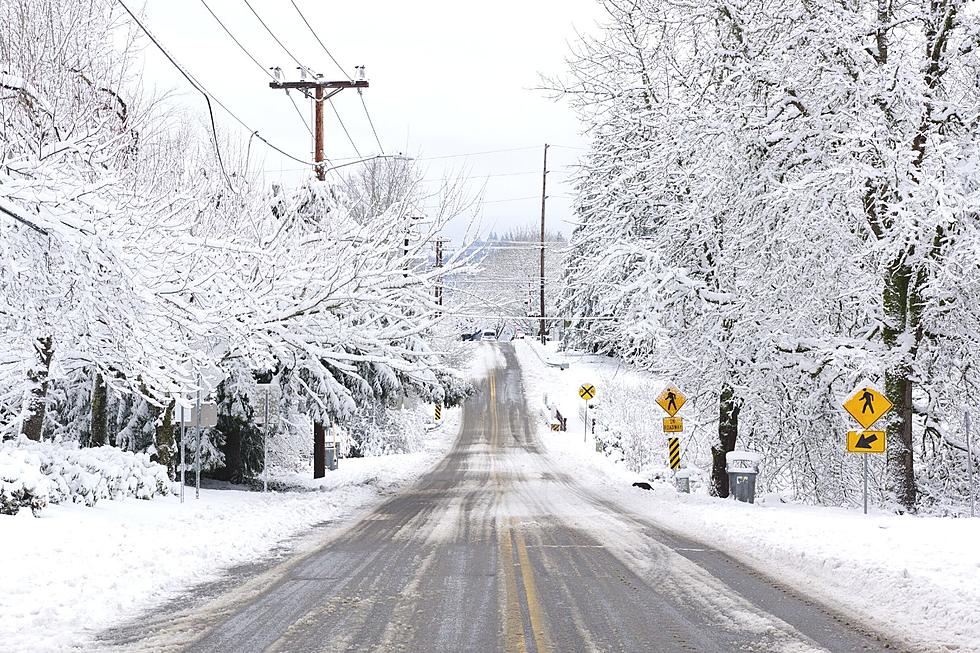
544, 196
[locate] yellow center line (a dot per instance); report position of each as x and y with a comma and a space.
542, 642
511, 540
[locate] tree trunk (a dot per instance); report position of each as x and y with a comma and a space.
901, 324
38, 376
164, 440
728, 409
100, 412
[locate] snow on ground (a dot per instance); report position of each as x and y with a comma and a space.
916, 578
76, 570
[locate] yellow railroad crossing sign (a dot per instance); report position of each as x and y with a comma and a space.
674, 448
866, 441
587, 391
673, 424
671, 400
867, 406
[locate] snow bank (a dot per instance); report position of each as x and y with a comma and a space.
33, 474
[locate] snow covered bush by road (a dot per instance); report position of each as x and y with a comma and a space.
22, 484
33, 474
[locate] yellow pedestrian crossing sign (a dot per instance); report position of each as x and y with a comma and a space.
867, 406
587, 391
671, 400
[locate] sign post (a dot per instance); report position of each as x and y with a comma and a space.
866, 406
969, 462
183, 429
587, 392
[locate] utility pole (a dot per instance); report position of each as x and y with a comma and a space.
439, 242
544, 196
318, 86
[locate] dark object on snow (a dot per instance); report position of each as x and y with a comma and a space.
643, 485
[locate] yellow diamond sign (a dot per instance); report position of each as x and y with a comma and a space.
867, 406
671, 400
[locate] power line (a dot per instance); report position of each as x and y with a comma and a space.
255, 61
191, 81
276, 38
237, 42
371, 122
344, 127
317, 37
208, 96
453, 156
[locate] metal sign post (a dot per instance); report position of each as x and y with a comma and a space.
265, 444
969, 462
865, 485
197, 453
183, 430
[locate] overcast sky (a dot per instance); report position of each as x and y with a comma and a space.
447, 77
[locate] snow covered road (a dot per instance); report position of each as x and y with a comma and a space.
500, 548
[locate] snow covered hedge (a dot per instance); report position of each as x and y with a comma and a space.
33, 474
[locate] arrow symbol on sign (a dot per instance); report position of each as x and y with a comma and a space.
865, 441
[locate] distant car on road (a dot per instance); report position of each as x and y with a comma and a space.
518, 334
488, 335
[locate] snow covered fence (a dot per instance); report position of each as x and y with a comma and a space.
33, 474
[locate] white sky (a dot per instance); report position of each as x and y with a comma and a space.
447, 77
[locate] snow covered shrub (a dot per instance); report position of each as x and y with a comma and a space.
387, 431
22, 485
35, 473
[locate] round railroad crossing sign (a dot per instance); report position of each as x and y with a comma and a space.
587, 391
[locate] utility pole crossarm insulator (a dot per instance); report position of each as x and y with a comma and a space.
307, 85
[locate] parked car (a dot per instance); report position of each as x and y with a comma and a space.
518, 334
488, 335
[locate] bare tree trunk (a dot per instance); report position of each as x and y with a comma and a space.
100, 412
38, 376
728, 409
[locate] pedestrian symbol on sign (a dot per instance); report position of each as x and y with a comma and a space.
868, 400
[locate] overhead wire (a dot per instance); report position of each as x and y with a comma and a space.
317, 37
192, 82
208, 96
344, 127
276, 38
370, 121
255, 61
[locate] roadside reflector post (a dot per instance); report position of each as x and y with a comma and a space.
742, 468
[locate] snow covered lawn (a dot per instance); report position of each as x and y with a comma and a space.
917, 578
76, 570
